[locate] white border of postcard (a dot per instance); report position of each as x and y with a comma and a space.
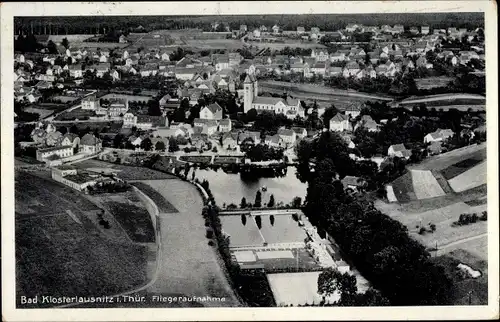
9, 10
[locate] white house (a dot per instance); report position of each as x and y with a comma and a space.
340, 122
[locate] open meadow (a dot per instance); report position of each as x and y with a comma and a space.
62, 251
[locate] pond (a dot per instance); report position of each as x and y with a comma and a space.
232, 187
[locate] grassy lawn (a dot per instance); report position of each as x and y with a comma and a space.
60, 254
162, 204
196, 158
132, 216
36, 196
461, 287
123, 171
77, 113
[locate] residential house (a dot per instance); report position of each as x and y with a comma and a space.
353, 183
351, 69
368, 123
256, 33
399, 150
274, 141
422, 62
75, 71
211, 112
438, 135
230, 140
353, 110
90, 102
287, 135
276, 29
225, 125
300, 30
300, 132
71, 139
424, 30
249, 136
340, 122
205, 126
90, 144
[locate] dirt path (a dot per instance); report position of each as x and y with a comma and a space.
460, 241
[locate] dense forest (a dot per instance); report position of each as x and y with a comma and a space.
329, 22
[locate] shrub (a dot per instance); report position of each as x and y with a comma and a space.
211, 243
422, 231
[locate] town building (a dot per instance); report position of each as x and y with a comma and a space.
211, 112
289, 107
340, 123
59, 152
90, 144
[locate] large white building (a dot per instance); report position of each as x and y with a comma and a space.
289, 107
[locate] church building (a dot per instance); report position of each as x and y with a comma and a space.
289, 107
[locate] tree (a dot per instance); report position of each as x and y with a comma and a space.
160, 146
258, 200
51, 46
330, 112
172, 145
154, 108
270, 204
118, 141
65, 43
243, 219
243, 203
271, 220
251, 115
331, 281
258, 221
297, 202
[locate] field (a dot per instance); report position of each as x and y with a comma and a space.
456, 171
131, 214
432, 82
284, 230
51, 197
123, 171
162, 204
60, 251
320, 89
297, 289
447, 237
471, 178
466, 291
42, 112
287, 43
130, 98
77, 113
425, 184
445, 102
65, 99
95, 45
210, 44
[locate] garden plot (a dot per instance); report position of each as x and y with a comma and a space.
471, 178
425, 185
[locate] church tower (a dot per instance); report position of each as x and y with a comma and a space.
248, 94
